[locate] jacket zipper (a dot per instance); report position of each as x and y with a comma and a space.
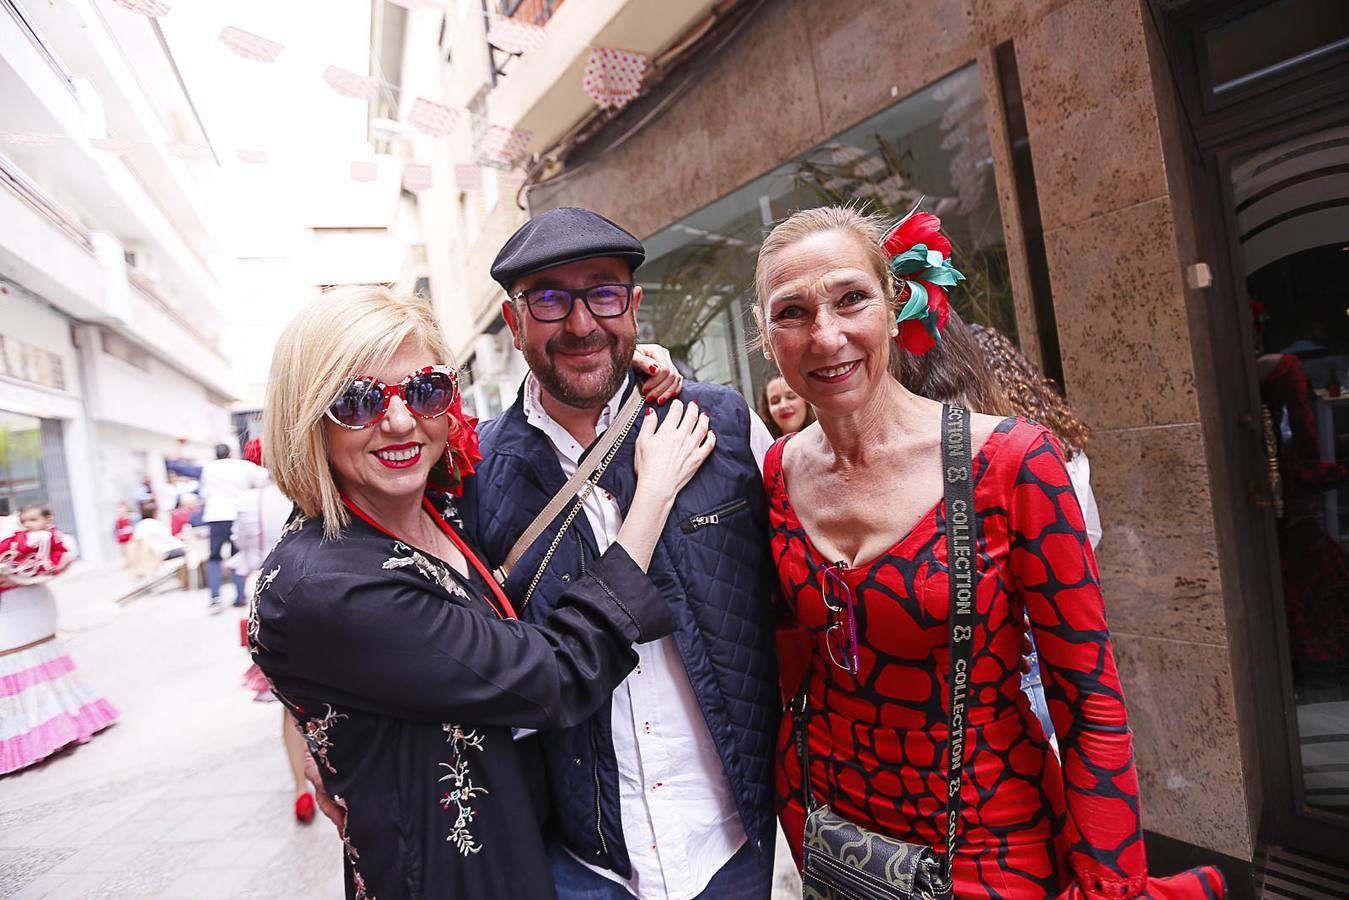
689, 526
595, 771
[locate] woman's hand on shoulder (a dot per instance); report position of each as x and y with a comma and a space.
656, 370
670, 453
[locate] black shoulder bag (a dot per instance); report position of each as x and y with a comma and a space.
842, 860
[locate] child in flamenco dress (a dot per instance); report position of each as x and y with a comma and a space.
44, 705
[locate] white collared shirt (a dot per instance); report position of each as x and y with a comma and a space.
680, 823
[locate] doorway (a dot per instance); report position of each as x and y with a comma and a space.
1271, 175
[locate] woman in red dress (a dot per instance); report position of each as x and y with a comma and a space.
859, 540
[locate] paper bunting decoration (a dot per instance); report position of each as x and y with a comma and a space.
111, 144
188, 149
468, 178
514, 37
27, 138
253, 157
152, 8
349, 84
613, 78
363, 171
435, 119
501, 147
416, 177
249, 46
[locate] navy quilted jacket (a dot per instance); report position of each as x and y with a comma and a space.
714, 567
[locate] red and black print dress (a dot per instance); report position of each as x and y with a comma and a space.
1028, 828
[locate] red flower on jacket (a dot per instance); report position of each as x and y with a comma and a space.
461, 451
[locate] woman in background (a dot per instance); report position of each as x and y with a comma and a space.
44, 705
1034, 396
781, 409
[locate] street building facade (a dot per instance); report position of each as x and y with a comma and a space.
1149, 196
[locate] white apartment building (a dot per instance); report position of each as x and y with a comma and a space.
110, 282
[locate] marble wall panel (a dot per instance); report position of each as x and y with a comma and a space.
1103, 158
1081, 55
1184, 720
996, 21
868, 55
1158, 557
1121, 317
652, 179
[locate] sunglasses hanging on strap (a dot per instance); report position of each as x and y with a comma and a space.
841, 860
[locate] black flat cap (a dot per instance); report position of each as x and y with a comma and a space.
561, 236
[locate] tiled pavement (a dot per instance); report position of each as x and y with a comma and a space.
188, 795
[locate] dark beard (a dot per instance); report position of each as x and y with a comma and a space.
620, 360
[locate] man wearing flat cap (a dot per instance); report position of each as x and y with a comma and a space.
667, 791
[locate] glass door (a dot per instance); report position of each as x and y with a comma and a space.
1289, 220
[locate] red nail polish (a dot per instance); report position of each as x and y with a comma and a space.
649, 411
652, 370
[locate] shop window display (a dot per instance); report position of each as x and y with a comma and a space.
932, 145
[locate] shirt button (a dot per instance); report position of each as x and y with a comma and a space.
646, 726
653, 846
576, 761
638, 670
566, 576
657, 784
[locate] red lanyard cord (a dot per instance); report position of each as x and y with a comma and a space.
502, 608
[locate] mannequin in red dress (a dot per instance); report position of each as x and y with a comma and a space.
859, 540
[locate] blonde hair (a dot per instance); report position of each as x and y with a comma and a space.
342, 334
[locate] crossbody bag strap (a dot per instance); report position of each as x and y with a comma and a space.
613, 440
962, 543
593, 465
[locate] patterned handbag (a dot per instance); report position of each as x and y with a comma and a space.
840, 859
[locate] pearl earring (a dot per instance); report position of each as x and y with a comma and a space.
894, 330
768, 355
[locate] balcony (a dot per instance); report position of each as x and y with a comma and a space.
541, 91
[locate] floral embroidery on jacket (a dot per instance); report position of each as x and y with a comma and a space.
254, 617
425, 567
459, 798
357, 882
317, 737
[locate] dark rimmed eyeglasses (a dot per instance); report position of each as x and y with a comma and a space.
427, 393
605, 301
840, 638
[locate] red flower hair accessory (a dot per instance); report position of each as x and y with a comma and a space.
461, 453
920, 260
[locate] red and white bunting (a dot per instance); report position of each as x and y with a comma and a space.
349, 84
253, 157
27, 138
420, 4
190, 150
152, 8
613, 78
514, 36
250, 46
111, 145
435, 119
468, 179
416, 177
363, 171
501, 147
